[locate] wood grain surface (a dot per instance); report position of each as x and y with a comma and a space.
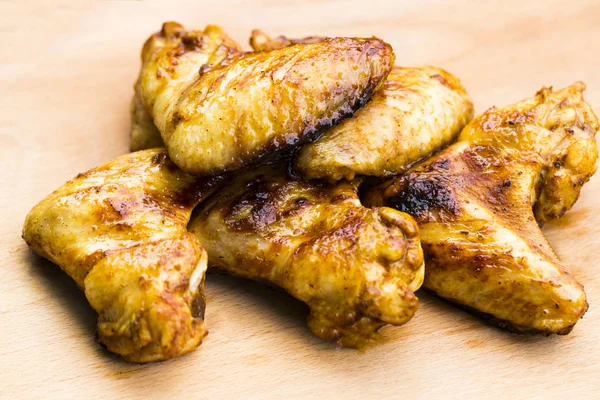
66, 71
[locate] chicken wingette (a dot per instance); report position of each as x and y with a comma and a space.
477, 203
236, 109
210, 45
418, 111
119, 231
355, 267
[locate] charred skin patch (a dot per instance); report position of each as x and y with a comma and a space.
265, 201
420, 197
427, 192
491, 255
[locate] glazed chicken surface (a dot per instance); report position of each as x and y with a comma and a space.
477, 203
418, 111
355, 267
221, 110
212, 45
119, 231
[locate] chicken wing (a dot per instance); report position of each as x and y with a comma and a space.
164, 45
235, 109
119, 231
474, 201
418, 111
355, 267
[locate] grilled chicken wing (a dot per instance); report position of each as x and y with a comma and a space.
233, 109
355, 267
165, 49
474, 201
418, 111
119, 231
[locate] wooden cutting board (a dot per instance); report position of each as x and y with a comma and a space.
66, 72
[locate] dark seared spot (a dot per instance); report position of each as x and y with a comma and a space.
192, 42
439, 164
202, 187
422, 194
264, 214
160, 159
256, 208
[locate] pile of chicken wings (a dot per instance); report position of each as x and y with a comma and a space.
319, 166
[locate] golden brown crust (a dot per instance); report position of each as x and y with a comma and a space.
150, 299
180, 53
119, 231
474, 205
355, 267
219, 109
418, 111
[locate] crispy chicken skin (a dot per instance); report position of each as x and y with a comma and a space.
222, 113
418, 111
355, 267
477, 203
201, 47
119, 231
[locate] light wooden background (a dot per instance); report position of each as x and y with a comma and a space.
65, 83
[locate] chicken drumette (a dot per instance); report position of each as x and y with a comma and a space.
355, 267
119, 231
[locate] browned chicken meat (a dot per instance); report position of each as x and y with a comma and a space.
119, 231
477, 203
210, 45
220, 113
418, 111
355, 267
